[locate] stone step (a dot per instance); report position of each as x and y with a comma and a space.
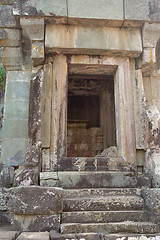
103, 216
127, 236
92, 164
78, 180
99, 192
111, 203
108, 228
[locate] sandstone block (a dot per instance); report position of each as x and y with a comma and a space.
34, 236
88, 236
18, 91
11, 56
48, 179
152, 199
24, 76
37, 54
9, 37
154, 7
17, 128
8, 235
13, 151
35, 200
6, 2
56, 8
36, 223
6, 16
6, 175
137, 10
102, 9
33, 28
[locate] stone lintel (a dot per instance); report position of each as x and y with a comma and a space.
89, 40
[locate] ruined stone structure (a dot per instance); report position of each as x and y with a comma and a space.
80, 135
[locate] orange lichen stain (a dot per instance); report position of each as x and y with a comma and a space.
151, 57
38, 49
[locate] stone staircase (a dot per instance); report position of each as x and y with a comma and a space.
105, 202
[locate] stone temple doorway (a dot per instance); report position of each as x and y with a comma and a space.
91, 124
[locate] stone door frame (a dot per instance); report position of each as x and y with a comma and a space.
124, 105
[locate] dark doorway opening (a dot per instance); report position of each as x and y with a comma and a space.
91, 115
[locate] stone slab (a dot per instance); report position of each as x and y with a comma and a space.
37, 223
37, 54
24, 76
17, 111
35, 200
8, 235
152, 199
154, 8
9, 37
56, 8
34, 236
127, 226
11, 56
6, 2
137, 10
89, 40
33, 28
102, 9
77, 180
15, 128
14, 150
17, 90
6, 16
88, 236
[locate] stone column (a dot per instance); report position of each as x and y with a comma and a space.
59, 110
125, 113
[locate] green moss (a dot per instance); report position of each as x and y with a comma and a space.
2, 78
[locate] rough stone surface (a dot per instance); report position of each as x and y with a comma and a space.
6, 16
137, 9
154, 9
50, 8
8, 235
36, 223
152, 166
129, 227
4, 196
9, 37
34, 236
89, 236
100, 180
6, 176
152, 199
35, 200
11, 56
33, 28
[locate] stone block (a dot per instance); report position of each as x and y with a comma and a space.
137, 10
56, 8
46, 160
155, 86
36, 223
4, 196
9, 37
34, 236
15, 128
152, 199
6, 176
102, 9
17, 90
37, 54
87, 40
48, 179
6, 16
16, 110
13, 151
154, 9
33, 28
24, 76
9, 235
11, 56
83, 236
35, 200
